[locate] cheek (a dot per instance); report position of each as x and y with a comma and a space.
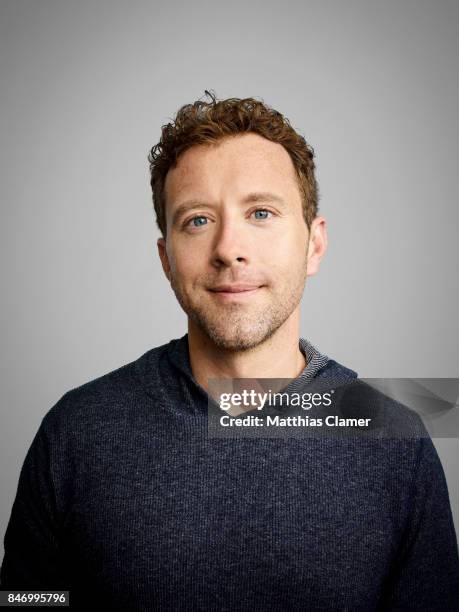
185, 265
285, 254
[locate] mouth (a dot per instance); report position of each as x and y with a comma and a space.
235, 291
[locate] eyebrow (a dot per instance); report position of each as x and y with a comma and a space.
256, 196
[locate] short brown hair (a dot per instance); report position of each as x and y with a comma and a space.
210, 122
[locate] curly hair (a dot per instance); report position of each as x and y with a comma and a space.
208, 123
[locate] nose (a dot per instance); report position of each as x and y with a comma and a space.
231, 245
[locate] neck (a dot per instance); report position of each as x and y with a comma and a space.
277, 357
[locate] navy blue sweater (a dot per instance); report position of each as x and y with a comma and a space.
125, 501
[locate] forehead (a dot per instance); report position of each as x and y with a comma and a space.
244, 162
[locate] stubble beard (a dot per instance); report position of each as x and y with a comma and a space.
238, 326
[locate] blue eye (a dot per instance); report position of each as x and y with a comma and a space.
199, 221
261, 214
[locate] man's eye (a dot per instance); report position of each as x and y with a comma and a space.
197, 221
261, 213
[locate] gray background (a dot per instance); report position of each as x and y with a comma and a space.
85, 88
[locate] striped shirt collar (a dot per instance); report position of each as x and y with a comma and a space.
315, 360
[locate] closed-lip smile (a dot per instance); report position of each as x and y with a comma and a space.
237, 288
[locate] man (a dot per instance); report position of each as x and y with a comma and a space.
127, 502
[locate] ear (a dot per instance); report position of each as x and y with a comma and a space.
164, 258
318, 242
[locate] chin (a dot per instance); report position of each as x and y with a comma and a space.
233, 344
239, 339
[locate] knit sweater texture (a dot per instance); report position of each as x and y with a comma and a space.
125, 501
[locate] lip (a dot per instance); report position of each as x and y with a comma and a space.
235, 292
235, 288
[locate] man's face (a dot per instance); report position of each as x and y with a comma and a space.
236, 245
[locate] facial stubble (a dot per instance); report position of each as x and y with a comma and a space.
240, 326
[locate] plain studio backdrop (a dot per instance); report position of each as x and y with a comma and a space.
85, 88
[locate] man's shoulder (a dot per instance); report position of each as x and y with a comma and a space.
111, 391
359, 398
335, 370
